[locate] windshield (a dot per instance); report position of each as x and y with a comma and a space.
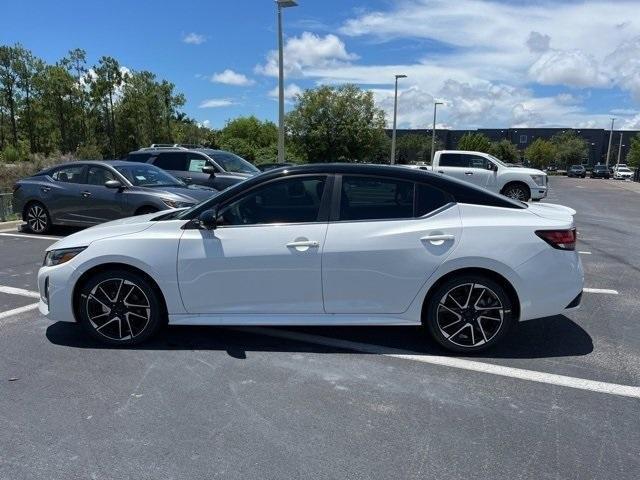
232, 162
498, 161
623, 170
145, 175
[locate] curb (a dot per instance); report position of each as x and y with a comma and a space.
12, 223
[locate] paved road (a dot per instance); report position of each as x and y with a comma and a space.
310, 403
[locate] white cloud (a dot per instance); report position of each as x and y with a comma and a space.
194, 38
290, 92
537, 42
216, 103
229, 77
568, 67
624, 62
307, 50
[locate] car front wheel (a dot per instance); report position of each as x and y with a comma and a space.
517, 191
469, 313
119, 307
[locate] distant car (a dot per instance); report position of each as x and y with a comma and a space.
577, 171
87, 193
218, 169
600, 171
552, 168
622, 173
264, 167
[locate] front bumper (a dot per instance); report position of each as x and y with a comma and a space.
55, 285
538, 192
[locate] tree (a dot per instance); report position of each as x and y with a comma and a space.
540, 153
108, 79
476, 142
633, 156
505, 151
570, 149
331, 124
250, 138
9, 80
413, 148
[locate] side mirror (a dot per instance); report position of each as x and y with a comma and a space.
188, 180
491, 166
209, 169
208, 219
113, 184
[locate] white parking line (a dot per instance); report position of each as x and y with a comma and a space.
19, 291
18, 310
585, 253
28, 235
600, 290
471, 365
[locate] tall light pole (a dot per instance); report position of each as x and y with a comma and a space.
619, 151
433, 132
281, 4
610, 138
395, 114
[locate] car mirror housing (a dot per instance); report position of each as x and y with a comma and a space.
208, 220
113, 184
491, 166
209, 169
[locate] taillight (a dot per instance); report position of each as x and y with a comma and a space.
560, 239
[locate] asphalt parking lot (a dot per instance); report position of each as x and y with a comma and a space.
560, 399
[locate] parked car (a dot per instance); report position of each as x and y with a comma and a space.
577, 171
487, 171
203, 166
552, 168
622, 173
87, 193
600, 171
353, 244
263, 167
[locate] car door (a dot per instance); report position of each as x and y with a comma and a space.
195, 163
99, 203
467, 167
61, 197
384, 241
264, 256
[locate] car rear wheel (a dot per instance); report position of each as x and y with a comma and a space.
37, 218
517, 191
119, 307
469, 313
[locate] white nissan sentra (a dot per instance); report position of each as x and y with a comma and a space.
323, 245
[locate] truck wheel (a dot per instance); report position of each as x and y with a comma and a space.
517, 191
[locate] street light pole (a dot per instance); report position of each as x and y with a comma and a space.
433, 131
610, 138
280, 5
619, 151
395, 114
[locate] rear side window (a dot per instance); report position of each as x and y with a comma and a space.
429, 199
139, 157
371, 198
171, 161
462, 160
68, 174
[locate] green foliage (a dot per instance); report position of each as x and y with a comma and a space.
330, 124
633, 156
88, 152
570, 149
476, 142
251, 138
541, 153
414, 148
506, 151
10, 154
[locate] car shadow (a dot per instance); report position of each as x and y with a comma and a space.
556, 336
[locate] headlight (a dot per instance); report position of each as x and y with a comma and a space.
176, 204
58, 257
538, 180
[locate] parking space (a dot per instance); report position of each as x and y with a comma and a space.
558, 399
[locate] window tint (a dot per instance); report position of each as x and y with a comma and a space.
369, 198
429, 198
171, 161
293, 200
99, 176
68, 174
453, 160
477, 162
139, 157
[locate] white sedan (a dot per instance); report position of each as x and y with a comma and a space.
323, 245
622, 173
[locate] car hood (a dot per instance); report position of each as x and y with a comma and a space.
192, 193
552, 211
115, 228
528, 171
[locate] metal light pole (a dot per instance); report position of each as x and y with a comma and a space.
395, 114
610, 138
281, 4
619, 151
433, 132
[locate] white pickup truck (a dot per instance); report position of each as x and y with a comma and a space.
487, 171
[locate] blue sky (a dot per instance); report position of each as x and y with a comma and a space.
493, 63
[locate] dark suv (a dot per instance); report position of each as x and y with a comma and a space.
203, 166
600, 171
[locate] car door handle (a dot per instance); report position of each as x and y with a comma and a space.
438, 239
303, 243
440, 171
45, 189
468, 173
85, 194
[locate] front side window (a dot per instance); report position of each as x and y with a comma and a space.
145, 175
477, 162
68, 174
372, 198
171, 161
291, 200
99, 176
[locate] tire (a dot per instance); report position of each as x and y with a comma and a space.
146, 210
37, 217
455, 318
517, 191
137, 306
